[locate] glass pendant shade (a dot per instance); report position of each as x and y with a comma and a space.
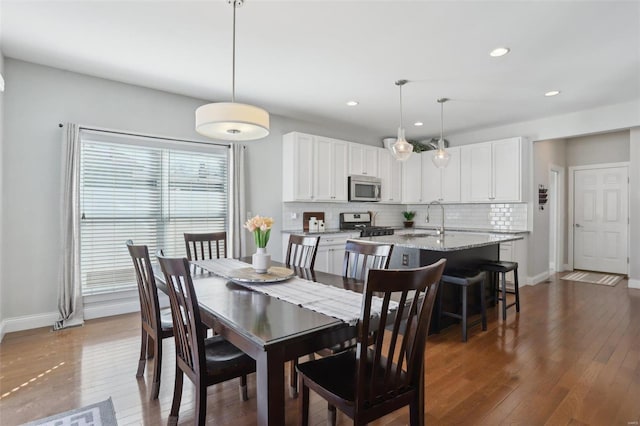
232, 121
401, 149
441, 156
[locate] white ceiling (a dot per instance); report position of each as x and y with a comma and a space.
305, 59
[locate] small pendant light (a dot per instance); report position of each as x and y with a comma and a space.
441, 157
230, 120
401, 149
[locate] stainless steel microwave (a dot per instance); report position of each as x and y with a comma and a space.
364, 188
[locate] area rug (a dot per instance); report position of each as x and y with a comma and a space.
99, 414
592, 278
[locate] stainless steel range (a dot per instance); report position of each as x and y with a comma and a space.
362, 222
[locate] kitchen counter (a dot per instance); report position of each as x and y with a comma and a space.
452, 240
458, 229
326, 231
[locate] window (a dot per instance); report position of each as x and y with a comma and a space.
150, 191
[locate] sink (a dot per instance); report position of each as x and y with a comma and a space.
421, 235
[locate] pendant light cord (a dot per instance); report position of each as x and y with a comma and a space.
441, 120
401, 120
233, 61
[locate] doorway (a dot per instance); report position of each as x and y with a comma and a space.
600, 217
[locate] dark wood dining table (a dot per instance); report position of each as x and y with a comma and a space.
268, 329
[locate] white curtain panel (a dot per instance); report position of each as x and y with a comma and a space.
69, 286
237, 201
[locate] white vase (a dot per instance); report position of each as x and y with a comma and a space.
261, 260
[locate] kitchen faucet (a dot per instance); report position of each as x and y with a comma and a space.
441, 230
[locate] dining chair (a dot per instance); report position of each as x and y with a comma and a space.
359, 258
209, 245
302, 250
205, 361
156, 323
379, 377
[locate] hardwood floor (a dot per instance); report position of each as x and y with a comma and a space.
572, 356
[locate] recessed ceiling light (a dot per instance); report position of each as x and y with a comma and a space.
552, 93
418, 123
499, 51
352, 103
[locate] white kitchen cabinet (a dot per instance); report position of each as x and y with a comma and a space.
441, 184
492, 171
314, 168
390, 173
330, 255
515, 251
363, 160
412, 179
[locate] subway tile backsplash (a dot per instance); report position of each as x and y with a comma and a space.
497, 217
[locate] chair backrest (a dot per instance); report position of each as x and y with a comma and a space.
147, 290
361, 256
185, 312
209, 245
399, 354
302, 251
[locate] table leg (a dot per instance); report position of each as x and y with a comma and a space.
270, 387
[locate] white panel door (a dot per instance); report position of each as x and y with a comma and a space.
601, 219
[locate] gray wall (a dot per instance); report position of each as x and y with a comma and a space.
597, 149
2, 298
38, 99
545, 154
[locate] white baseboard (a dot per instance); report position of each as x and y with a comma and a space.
27, 322
537, 279
633, 283
566, 267
110, 309
1, 330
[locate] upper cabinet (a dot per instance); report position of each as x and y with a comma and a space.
412, 180
390, 173
441, 184
314, 168
363, 160
492, 171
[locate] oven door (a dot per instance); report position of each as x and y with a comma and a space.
364, 190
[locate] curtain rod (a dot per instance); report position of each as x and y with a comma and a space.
117, 132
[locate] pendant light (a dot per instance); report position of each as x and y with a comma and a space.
230, 120
401, 149
441, 157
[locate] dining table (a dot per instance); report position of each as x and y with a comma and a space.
268, 329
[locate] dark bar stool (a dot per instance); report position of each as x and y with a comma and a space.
465, 279
502, 268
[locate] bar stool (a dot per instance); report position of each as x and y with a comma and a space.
465, 279
502, 267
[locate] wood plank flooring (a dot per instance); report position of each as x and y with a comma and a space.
572, 356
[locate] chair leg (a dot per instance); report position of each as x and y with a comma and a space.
201, 404
415, 408
303, 403
157, 367
293, 378
244, 395
150, 348
331, 415
143, 354
464, 313
503, 285
517, 289
177, 397
483, 306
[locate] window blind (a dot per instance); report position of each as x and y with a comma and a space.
131, 189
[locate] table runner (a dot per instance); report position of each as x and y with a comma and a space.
325, 299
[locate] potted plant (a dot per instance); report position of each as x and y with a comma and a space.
408, 218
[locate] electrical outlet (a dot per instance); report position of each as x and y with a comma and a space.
294, 215
405, 259
249, 215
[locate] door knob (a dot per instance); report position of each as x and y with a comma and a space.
578, 225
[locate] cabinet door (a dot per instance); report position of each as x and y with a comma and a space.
322, 259
339, 166
390, 173
356, 159
298, 167
450, 176
370, 163
431, 179
476, 172
412, 179
323, 169
336, 259
506, 170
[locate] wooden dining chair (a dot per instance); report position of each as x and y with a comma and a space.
359, 258
302, 250
156, 323
209, 245
379, 377
205, 361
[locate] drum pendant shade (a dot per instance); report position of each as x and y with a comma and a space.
232, 121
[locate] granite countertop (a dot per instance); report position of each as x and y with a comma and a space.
326, 231
451, 241
458, 229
